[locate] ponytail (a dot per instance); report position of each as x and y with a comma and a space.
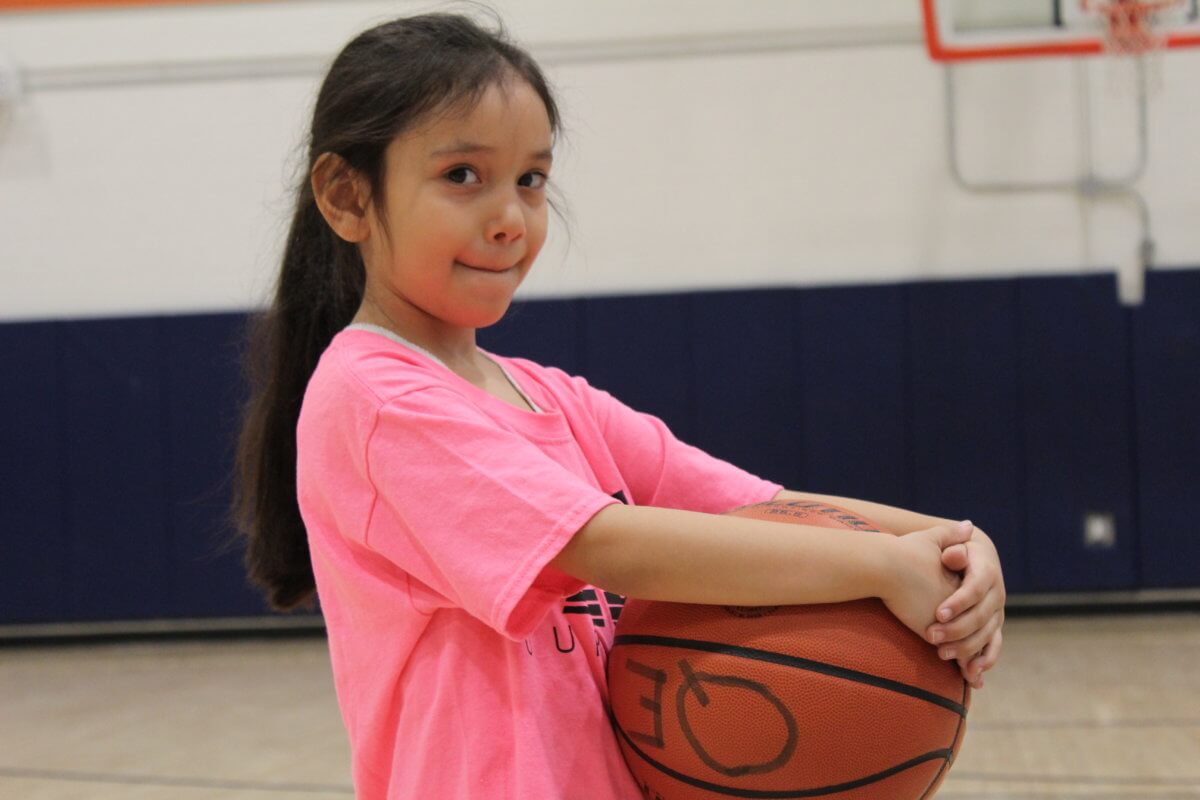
318, 292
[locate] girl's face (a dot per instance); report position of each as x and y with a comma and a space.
465, 210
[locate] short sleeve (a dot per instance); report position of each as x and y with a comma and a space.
663, 471
474, 510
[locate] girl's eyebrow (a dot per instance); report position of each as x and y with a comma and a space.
469, 148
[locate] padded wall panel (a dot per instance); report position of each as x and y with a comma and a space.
747, 392
549, 332
1007, 401
116, 469
203, 396
965, 403
32, 494
640, 350
1078, 442
850, 343
1167, 380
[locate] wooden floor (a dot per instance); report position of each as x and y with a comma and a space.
1088, 707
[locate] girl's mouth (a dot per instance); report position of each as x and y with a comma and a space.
495, 270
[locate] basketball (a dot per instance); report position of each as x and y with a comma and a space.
838, 701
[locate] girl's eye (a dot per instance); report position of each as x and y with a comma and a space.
462, 175
533, 180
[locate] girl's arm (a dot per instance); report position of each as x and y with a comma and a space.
685, 556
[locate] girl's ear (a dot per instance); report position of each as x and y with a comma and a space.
342, 197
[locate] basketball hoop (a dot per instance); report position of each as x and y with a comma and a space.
1130, 25
1135, 37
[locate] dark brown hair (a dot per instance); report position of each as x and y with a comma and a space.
382, 83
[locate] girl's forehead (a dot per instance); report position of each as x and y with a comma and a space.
504, 114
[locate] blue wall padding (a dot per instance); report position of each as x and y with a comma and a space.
203, 397
549, 332
852, 392
964, 400
32, 480
747, 385
639, 348
1166, 348
115, 465
1022, 403
1076, 417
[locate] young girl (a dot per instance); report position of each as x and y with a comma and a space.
466, 516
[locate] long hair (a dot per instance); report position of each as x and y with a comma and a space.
385, 81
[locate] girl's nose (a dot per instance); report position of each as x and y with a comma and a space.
509, 224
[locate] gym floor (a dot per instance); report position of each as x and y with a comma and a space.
1080, 707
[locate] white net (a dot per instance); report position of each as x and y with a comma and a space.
1135, 38
1132, 27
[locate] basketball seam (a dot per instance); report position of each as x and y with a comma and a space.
796, 662
953, 746
781, 794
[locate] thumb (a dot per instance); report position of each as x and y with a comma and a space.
954, 558
958, 533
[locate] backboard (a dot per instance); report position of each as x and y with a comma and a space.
959, 30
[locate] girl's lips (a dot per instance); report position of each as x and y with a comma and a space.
485, 268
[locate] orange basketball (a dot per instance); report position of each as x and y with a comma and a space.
838, 701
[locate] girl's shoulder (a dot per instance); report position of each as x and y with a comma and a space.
372, 366
559, 389
549, 378
531, 369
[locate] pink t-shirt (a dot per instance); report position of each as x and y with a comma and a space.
465, 665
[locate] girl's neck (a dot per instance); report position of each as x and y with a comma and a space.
454, 347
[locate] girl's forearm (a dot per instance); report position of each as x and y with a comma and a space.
689, 557
896, 520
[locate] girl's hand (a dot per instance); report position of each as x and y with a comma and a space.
970, 621
921, 583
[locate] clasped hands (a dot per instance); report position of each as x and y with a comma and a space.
947, 586
970, 621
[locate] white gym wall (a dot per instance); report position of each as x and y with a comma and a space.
709, 143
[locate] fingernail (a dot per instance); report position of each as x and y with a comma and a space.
948, 653
966, 525
937, 636
943, 614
